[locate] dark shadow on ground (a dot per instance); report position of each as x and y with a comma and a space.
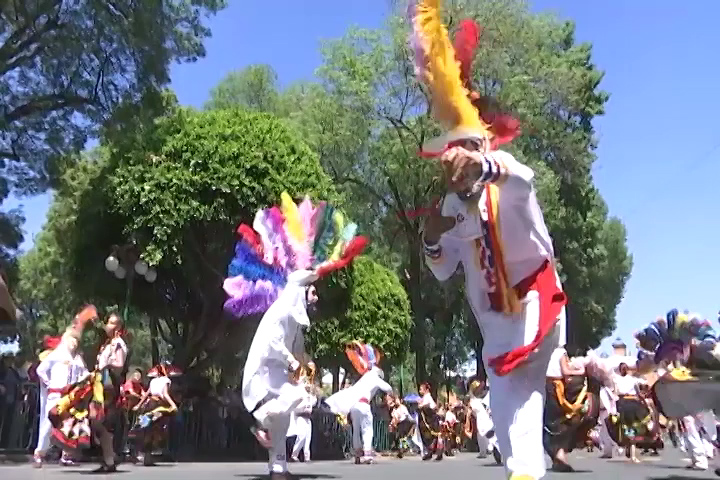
293, 476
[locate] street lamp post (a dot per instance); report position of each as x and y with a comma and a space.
125, 263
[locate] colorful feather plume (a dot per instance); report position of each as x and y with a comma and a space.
465, 43
354, 248
441, 70
284, 239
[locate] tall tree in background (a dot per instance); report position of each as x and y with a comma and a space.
178, 190
368, 117
253, 88
65, 67
365, 302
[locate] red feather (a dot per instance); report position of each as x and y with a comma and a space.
51, 342
251, 237
354, 248
466, 41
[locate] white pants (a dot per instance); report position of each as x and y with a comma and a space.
483, 425
362, 427
303, 430
696, 448
277, 455
607, 407
47, 403
517, 399
417, 439
606, 442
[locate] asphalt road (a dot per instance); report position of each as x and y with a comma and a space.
669, 466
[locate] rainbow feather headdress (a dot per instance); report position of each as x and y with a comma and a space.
437, 66
670, 338
284, 239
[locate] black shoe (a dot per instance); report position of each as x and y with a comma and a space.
497, 456
562, 467
105, 468
427, 456
717, 472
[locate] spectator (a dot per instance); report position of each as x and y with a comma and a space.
10, 385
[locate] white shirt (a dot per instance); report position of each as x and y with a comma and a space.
60, 368
157, 386
103, 358
450, 417
427, 401
400, 413
554, 370
341, 402
626, 385
527, 242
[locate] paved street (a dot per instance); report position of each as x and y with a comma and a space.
669, 466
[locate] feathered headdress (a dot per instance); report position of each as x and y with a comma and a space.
670, 339
285, 239
362, 356
446, 69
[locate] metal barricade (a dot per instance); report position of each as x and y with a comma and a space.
200, 429
19, 420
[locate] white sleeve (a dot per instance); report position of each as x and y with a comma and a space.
514, 179
442, 259
43, 370
277, 346
384, 386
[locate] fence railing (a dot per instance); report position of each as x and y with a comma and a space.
200, 429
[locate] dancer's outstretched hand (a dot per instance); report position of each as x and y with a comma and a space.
436, 225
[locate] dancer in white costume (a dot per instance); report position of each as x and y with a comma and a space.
491, 222
301, 418
276, 261
61, 367
355, 400
484, 427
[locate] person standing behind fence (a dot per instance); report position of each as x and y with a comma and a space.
60, 367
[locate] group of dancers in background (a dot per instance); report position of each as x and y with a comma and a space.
103, 407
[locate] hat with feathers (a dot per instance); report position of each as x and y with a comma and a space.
446, 69
296, 243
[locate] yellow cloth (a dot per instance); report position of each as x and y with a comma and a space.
510, 299
570, 408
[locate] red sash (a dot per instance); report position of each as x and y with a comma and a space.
552, 299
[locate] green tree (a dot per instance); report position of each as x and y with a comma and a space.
65, 67
254, 88
178, 192
368, 117
366, 302
46, 290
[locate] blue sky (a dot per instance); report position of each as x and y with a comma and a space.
659, 146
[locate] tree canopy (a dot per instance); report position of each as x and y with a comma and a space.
178, 195
367, 116
366, 302
66, 66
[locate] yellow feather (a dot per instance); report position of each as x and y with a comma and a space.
450, 103
339, 220
293, 223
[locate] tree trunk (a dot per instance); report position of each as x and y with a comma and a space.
335, 378
416, 304
154, 349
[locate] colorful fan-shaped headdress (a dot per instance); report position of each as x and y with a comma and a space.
670, 338
363, 357
446, 69
284, 239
